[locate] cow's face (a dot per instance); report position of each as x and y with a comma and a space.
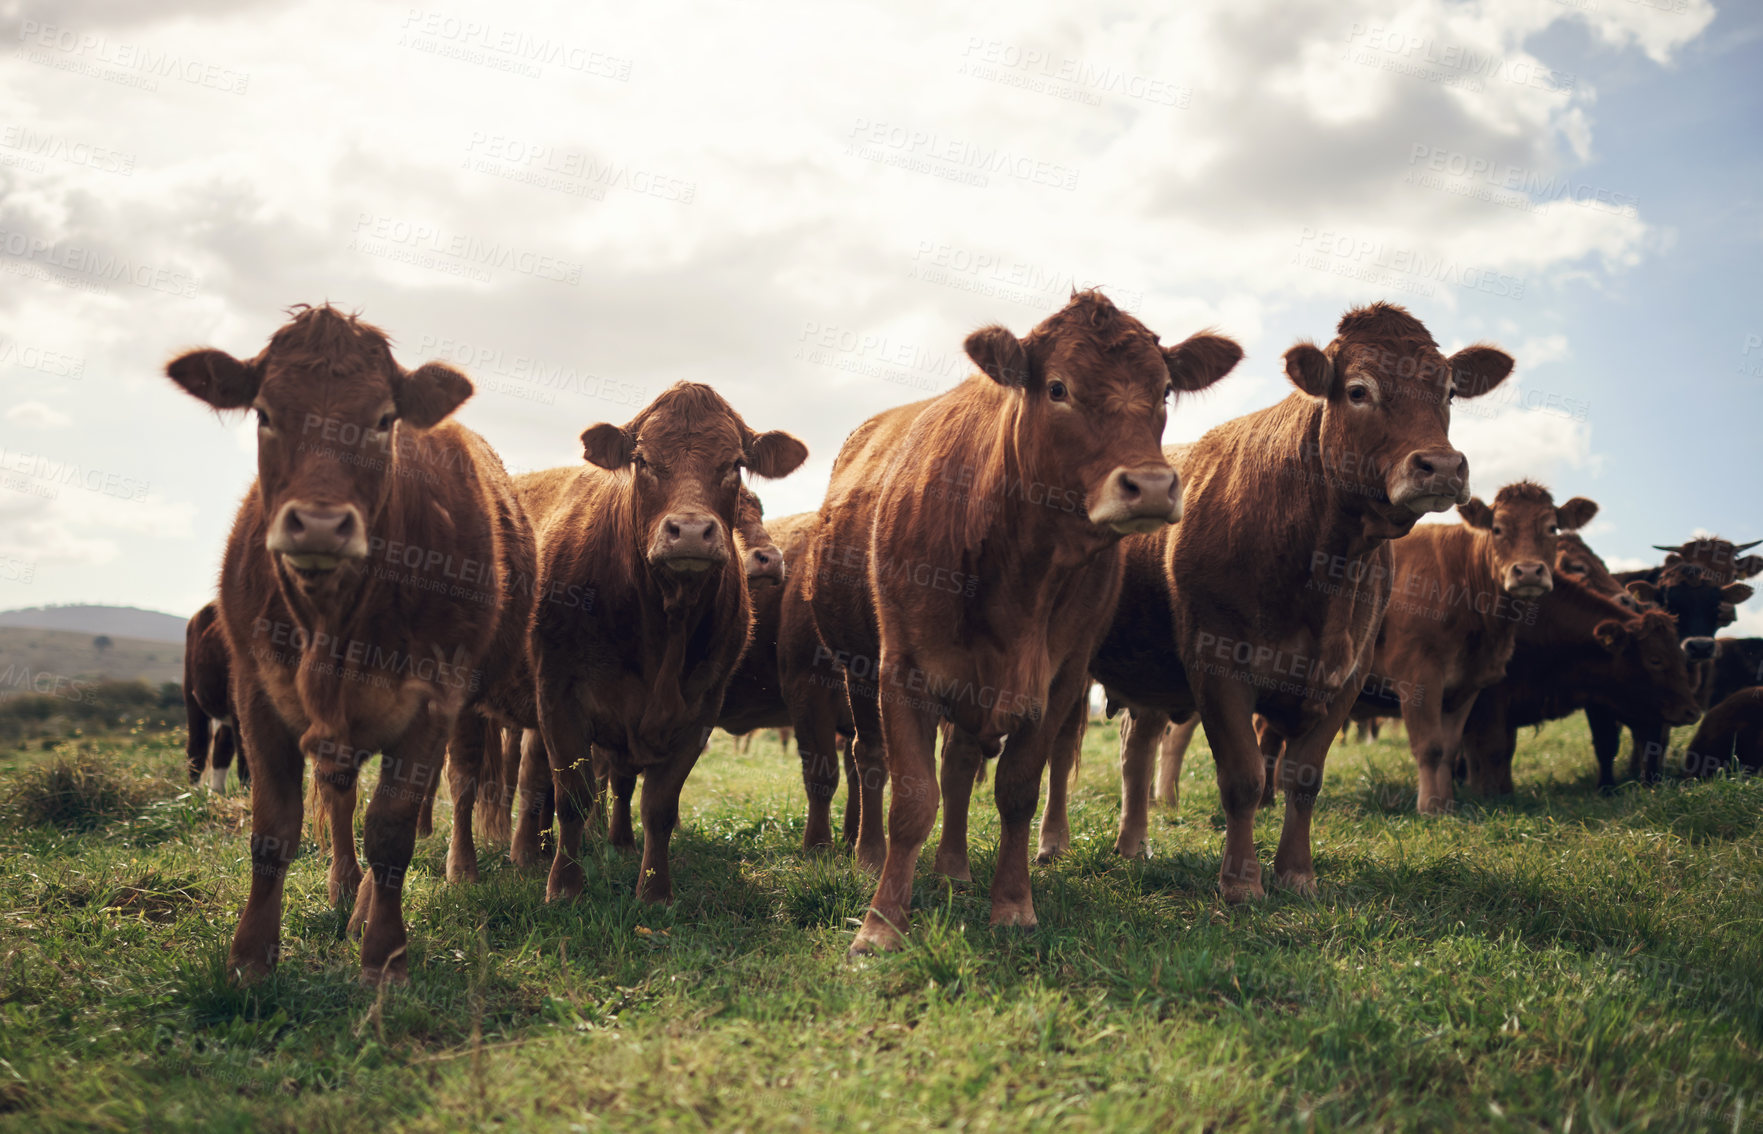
1719, 557
1649, 668
332, 411
1693, 595
1093, 383
1524, 528
763, 561
1386, 392
1575, 559
684, 454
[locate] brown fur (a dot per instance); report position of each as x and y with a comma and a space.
358, 661
631, 655
993, 482
1732, 728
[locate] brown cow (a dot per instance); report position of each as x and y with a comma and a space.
341, 647
1461, 593
1267, 597
1583, 650
638, 665
208, 703
1732, 728
964, 548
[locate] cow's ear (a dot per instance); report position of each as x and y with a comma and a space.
1477, 369
1200, 360
608, 446
426, 395
1575, 514
1000, 354
1736, 593
1610, 634
1673, 559
1643, 590
1476, 513
1748, 565
775, 454
1309, 369
216, 377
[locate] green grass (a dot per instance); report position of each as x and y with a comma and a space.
1557, 958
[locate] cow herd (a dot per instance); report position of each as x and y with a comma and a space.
981, 558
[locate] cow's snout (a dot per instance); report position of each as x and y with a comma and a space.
1139, 500
765, 564
1529, 580
1698, 649
317, 537
690, 541
1432, 480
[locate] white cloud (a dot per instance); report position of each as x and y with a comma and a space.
38, 415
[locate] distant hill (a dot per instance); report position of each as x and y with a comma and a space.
45, 661
116, 621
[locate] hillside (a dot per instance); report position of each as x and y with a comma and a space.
92, 620
40, 661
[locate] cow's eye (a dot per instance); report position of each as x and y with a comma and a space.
734, 471
1056, 390
1554, 530
385, 423
1358, 395
1498, 530
262, 419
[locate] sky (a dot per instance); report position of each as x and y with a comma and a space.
809, 206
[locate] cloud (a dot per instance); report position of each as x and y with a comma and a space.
37, 415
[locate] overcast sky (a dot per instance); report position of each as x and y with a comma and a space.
809, 206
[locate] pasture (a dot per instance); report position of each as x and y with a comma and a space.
1558, 960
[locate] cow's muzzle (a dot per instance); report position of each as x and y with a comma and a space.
1136, 500
1698, 649
315, 539
1431, 480
689, 542
765, 565
1530, 580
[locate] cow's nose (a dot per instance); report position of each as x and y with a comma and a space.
1698, 649
765, 563
1139, 499
692, 536
321, 530
1444, 464
1532, 578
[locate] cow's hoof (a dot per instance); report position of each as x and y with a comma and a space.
1128, 849
954, 870
344, 886
1300, 882
1046, 855
871, 858
1021, 917
1236, 893
395, 973
244, 973
462, 871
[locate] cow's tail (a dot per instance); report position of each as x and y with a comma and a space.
497, 784
318, 819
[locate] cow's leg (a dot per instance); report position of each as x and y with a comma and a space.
1606, 742
335, 768
535, 787
221, 759
425, 817
962, 759
909, 742
465, 773
621, 834
1651, 739
1271, 745
869, 754
853, 798
1017, 787
563, 730
1300, 772
1141, 735
276, 807
197, 733
1172, 751
661, 788
1064, 757
1427, 741
389, 836
1226, 713
817, 745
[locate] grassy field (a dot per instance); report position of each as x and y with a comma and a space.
1560, 960
47, 661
